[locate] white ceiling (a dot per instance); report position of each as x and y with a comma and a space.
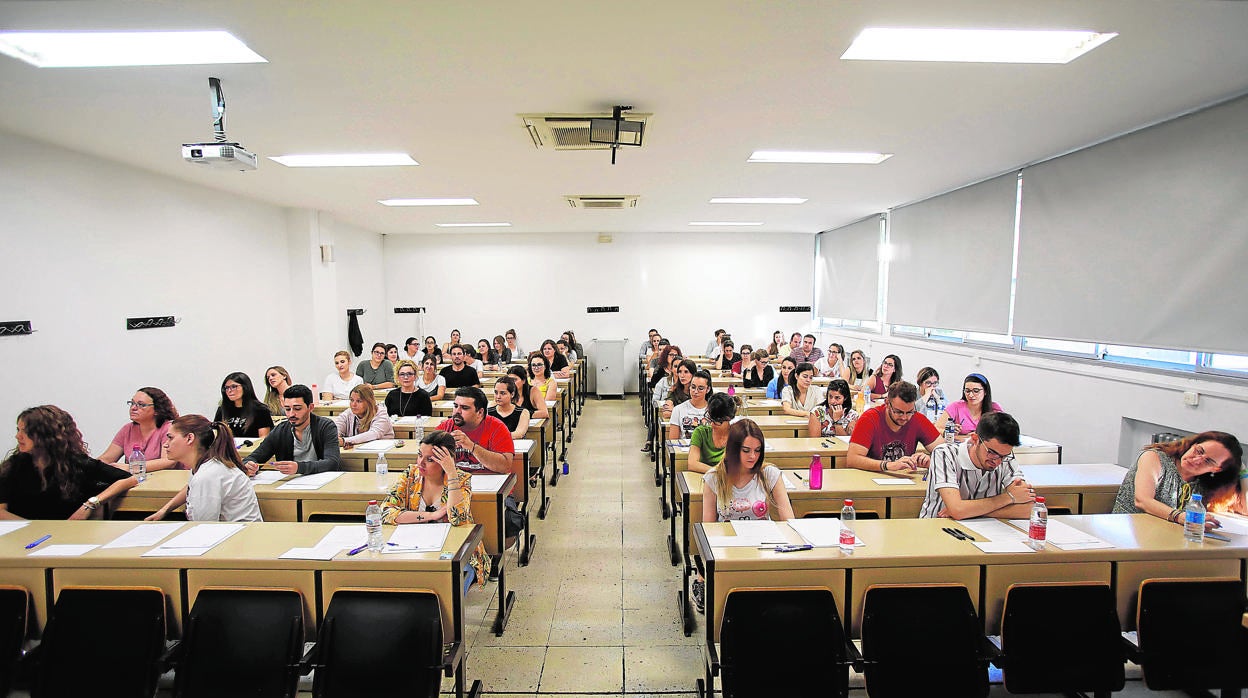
444, 81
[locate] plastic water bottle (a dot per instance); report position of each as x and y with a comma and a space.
383, 472
816, 473
316, 395
419, 432
1194, 520
848, 518
138, 463
731, 391
1038, 529
951, 432
933, 407
372, 524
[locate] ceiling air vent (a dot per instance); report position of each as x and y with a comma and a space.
568, 131
585, 201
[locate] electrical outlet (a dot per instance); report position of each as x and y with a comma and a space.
1191, 398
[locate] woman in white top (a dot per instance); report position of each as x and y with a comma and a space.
218, 490
338, 385
691, 414
742, 486
365, 421
832, 363
799, 397
429, 379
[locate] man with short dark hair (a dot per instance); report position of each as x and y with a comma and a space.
305, 443
807, 352
978, 477
482, 442
795, 341
886, 437
459, 374
645, 346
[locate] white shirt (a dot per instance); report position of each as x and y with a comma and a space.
340, 388
432, 388
217, 492
688, 417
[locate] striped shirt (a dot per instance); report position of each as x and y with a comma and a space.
952, 468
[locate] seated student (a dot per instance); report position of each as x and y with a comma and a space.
482, 442
859, 371
338, 385
807, 352
528, 396
429, 380
888, 373
565, 350
239, 408
745, 360
473, 359
542, 378
411, 351
777, 384
777, 344
392, 354
978, 477
758, 374
377, 371
653, 357
277, 380
516, 419
799, 397
688, 415
707, 443
455, 341
50, 475
433, 490
558, 362
835, 416
795, 343
678, 390
715, 345
575, 351
931, 397
364, 421
151, 411
647, 345
659, 386
832, 365
218, 490
502, 354
513, 344
727, 356
886, 436
459, 374
408, 400
976, 401
305, 443
432, 349
1166, 475
485, 353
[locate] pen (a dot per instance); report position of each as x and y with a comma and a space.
952, 532
357, 551
36, 543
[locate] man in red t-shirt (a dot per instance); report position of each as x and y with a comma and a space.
886, 437
482, 443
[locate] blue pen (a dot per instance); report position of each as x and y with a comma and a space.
36, 543
357, 551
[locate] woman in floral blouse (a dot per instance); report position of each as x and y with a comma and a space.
435, 491
836, 416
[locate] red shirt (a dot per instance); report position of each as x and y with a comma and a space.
886, 444
491, 434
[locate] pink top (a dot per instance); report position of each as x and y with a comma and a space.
960, 414
151, 446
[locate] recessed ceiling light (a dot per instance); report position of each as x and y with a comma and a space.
346, 160
473, 225
973, 45
721, 223
757, 200
428, 202
820, 158
111, 49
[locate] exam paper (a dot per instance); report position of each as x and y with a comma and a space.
1012, 546
63, 550
144, 535
311, 482
995, 530
487, 483
316, 552
1066, 537
1231, 523
430, 536
195, 541
891, 481
758, 532
11, 526
378, 445
268, 477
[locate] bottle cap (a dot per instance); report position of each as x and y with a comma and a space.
134, 447
372, 502
1197, 497
1040, 499
849, 502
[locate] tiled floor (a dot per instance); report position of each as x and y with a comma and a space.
595, 608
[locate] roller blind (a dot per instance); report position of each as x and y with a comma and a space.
849, 271
952, 259
1141, 240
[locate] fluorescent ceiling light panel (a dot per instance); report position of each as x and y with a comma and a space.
723, 223
428, 202
973, 45
818, 158
346, 160
112, 49
473, 225
757, 200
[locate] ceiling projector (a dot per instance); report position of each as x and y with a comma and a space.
219, 154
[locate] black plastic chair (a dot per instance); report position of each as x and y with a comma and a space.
14, 602
1191, 634
923, 640
241, 642
769, 628
1061, 638
102, 640
371, 634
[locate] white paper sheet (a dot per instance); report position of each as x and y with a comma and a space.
1231, 523
345, 536
995, 530
311, 482
487, 483
821, 533
758, 532
402, 422
63, 550
268, 477
144, 535
796, 421
317, 552
730, 542
377, 446
891, 481
162, 551
791, 480
11, 526
196, 540
1065, 536
522, 445
418, 537
1004, 547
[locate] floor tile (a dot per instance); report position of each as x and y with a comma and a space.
661, 668
587, 669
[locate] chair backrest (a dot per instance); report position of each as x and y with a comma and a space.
102, 637
1060, 638
14, 602
782, 642
920, 638
242, 642
368, 634
1191, 633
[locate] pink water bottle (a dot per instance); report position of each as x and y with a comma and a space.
816, 473
731, 391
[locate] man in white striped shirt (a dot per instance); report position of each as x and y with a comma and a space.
978, 477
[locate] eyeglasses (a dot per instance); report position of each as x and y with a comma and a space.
993, 457
901, 414
931, 382
699, 388
537, 365
231, 387
139, 405
972, 391
406, 374
1205, 460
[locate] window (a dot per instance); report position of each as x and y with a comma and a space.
1004, 340
1058, 346
1233, 364
1143, 356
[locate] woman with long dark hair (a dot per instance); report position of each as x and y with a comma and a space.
516, 419
835, 416
1166, 475
799, 397
151, 411
528, 397
239, 408
218, 490
888, 373
976, 402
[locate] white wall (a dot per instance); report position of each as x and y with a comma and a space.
88, 243
685, 284
1090, 409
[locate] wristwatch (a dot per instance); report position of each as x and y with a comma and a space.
92, 503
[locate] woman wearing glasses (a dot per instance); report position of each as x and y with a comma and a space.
364, 421
277, 380
931, 396
539, 373
151, 412
431, 350
888, 373
758, 374
1165, 476
408, 400
708, 441
688, 415
835, 416
832, 364
799, 397
976, 402
246, 416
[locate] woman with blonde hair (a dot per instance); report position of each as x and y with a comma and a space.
364, 421
339, 384
277, 379
408, 400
